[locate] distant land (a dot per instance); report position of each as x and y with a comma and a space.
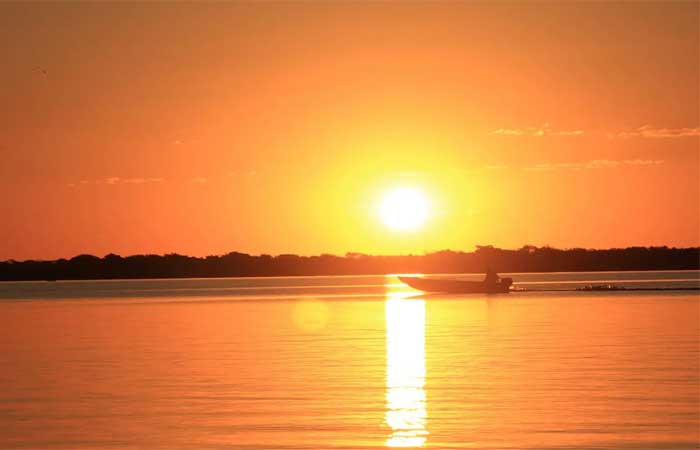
526, 259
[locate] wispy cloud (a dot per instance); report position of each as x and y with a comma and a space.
118, 180
553, 166
643, 162
647, 131
199, 180
595, 164
142, 180
544, 130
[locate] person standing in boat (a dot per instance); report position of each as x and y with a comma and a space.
491, 277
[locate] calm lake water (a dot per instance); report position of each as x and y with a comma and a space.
350, 362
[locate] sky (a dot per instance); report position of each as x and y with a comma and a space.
273, 128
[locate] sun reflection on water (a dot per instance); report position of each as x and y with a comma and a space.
405, 371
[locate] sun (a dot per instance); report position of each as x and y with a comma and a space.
404, 209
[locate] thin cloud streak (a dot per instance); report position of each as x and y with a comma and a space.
544, 130
595, 164
142, 180
647, 131
118, 180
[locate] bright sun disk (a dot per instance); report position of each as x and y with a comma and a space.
404, 209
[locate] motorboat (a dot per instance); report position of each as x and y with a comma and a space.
452, 286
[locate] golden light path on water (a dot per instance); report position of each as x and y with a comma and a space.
405, 371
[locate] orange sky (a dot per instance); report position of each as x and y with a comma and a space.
276, 127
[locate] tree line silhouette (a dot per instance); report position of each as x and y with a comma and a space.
526, 259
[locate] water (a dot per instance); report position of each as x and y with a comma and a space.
349, 362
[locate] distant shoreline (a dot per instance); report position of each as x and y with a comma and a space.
528, 259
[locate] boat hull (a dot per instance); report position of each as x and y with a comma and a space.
457, 286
